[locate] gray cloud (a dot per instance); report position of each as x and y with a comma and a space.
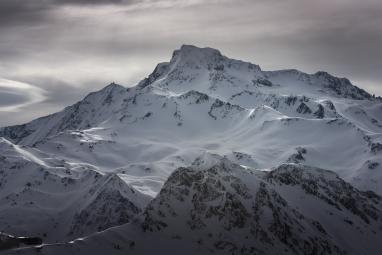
89, 2
31, 12
10, 98
69, 48
21, 12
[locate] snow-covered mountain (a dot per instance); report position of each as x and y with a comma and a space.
99, 162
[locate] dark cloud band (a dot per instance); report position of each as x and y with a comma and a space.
34, 11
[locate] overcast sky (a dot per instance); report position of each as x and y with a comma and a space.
53, 52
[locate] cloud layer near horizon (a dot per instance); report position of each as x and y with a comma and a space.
68, 48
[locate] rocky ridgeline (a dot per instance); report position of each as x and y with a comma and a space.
229, 209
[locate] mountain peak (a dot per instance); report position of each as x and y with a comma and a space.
112, 86
190, 54
192, 49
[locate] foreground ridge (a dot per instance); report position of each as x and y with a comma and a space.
227, 209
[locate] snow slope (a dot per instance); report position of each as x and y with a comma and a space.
118, 146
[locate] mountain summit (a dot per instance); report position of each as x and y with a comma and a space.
190, 53
205, 145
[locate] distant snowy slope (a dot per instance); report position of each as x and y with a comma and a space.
59, 201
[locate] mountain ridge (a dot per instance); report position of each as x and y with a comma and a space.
186, 55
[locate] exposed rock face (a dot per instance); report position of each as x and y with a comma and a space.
320, 113
297, 157
304, 109
342, 86
110, 206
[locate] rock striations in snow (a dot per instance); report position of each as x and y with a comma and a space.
209, 153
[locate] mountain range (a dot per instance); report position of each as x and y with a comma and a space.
206, 155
